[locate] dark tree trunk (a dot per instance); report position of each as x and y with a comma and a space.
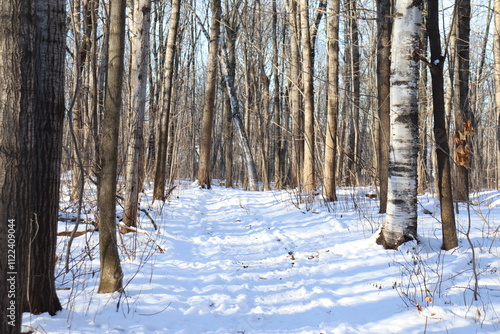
16, 156
384, 28
48, 128
463, 113
440, 133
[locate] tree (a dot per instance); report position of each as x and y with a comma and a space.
48, 116
229, 79
463, 113
295, 100
309, 175
32, 53
111, 278
141, 23
16, 155
400, 224
496, 54
440, 133
384, 27
161, 151
209, 101
329, 191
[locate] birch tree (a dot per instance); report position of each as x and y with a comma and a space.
400, 224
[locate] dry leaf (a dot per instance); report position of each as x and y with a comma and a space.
418, 307
428, 299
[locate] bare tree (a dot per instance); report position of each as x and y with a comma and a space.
401, 219
238, 123
329, 191
48, 131
16, 156
209, 102
111, 276
496, 53
309, 175
140, 25
384, 27
463, 112
440, 132
162, 143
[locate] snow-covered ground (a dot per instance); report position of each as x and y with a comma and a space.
232, 261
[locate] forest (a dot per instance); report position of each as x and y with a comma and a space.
254, 130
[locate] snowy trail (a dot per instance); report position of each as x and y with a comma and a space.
247, 261
254, 262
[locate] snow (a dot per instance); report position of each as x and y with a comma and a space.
232, 261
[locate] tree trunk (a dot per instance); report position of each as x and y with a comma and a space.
496, 53
309, 175
463, 113
253, 181
17, 32
228, 114
162, 143
111, 273
401, 220
295, 100
352, 66
48, 128
209, 102
279, 158
384, 27
329, 188
440, 133
139, 74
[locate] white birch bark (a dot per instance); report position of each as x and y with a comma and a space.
401, 219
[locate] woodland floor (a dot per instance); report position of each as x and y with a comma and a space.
233, 261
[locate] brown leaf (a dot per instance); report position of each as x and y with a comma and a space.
418, 307
429, 299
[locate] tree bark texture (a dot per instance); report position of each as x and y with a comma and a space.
401, 219
141, 23
48, 119
295, 98
209, 101
463, 112
111, 275
253, 182
384, 27
16, 152
329, 185
496, 53
309, 175
162, 143
440, 133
